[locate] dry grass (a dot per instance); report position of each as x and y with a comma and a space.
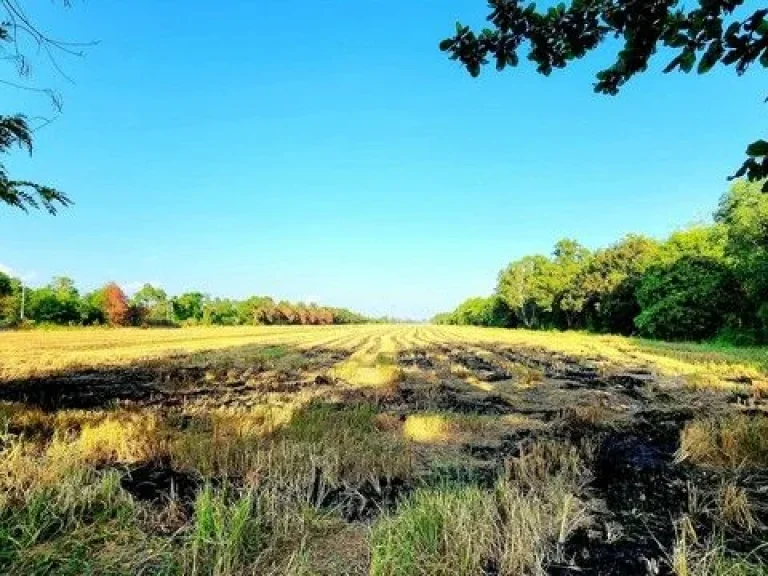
62, 348
735, 508
514, 529
446, 428
272, 467
596, 414
700, 364
372, 367
729, 442
692, 556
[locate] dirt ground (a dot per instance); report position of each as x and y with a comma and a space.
465, 404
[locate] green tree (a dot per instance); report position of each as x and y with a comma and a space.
92, 307
709, 241
743, 212
607, 284
6, 284
10, 300
57, 303
700, 37
529, 287
153, 301
491, 311
221, 311
189, 306
570, 258
691, 299
248, 310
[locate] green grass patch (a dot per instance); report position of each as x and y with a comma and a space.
705, 353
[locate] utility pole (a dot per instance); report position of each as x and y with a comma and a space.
23, 297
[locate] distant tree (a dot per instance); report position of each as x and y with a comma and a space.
492, 311
116, 308
248, 310
529, 287
45, 305
92, 306
189, 306
710, 34
6, 284
149, 296
709, 241
56, 303
10, 300
151, 304
569, 258
443, 318
345, 316
607, 284
221, 311
691, 299
743, 212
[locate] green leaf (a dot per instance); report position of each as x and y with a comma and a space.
733, 29
687, 60
711, 57
759, 148
671, 66
447, 44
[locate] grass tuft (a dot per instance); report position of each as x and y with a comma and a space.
730, 442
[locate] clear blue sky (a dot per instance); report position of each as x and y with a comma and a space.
327, 151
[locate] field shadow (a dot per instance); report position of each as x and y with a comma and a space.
225, 376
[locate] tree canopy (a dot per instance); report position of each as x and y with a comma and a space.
700, 282
17, 33
711, 34
60, 302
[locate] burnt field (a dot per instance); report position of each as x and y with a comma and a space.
379, 450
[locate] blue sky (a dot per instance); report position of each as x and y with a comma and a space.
327, 151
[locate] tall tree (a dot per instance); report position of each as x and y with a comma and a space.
743, 211
709, 241
189, 306
570, 259
57, 303
10, 301
607, 284
529, 286
152, 303
691, 299
702, 37
116, 307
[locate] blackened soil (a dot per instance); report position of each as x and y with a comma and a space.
365, 502
83, 389
158, 483
483, 368
165, 382
643, 491
415, 359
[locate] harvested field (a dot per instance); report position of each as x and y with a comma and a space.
379, 450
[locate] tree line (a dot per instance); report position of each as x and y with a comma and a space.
702, 282
61, 303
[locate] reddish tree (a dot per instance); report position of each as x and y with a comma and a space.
116, 307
